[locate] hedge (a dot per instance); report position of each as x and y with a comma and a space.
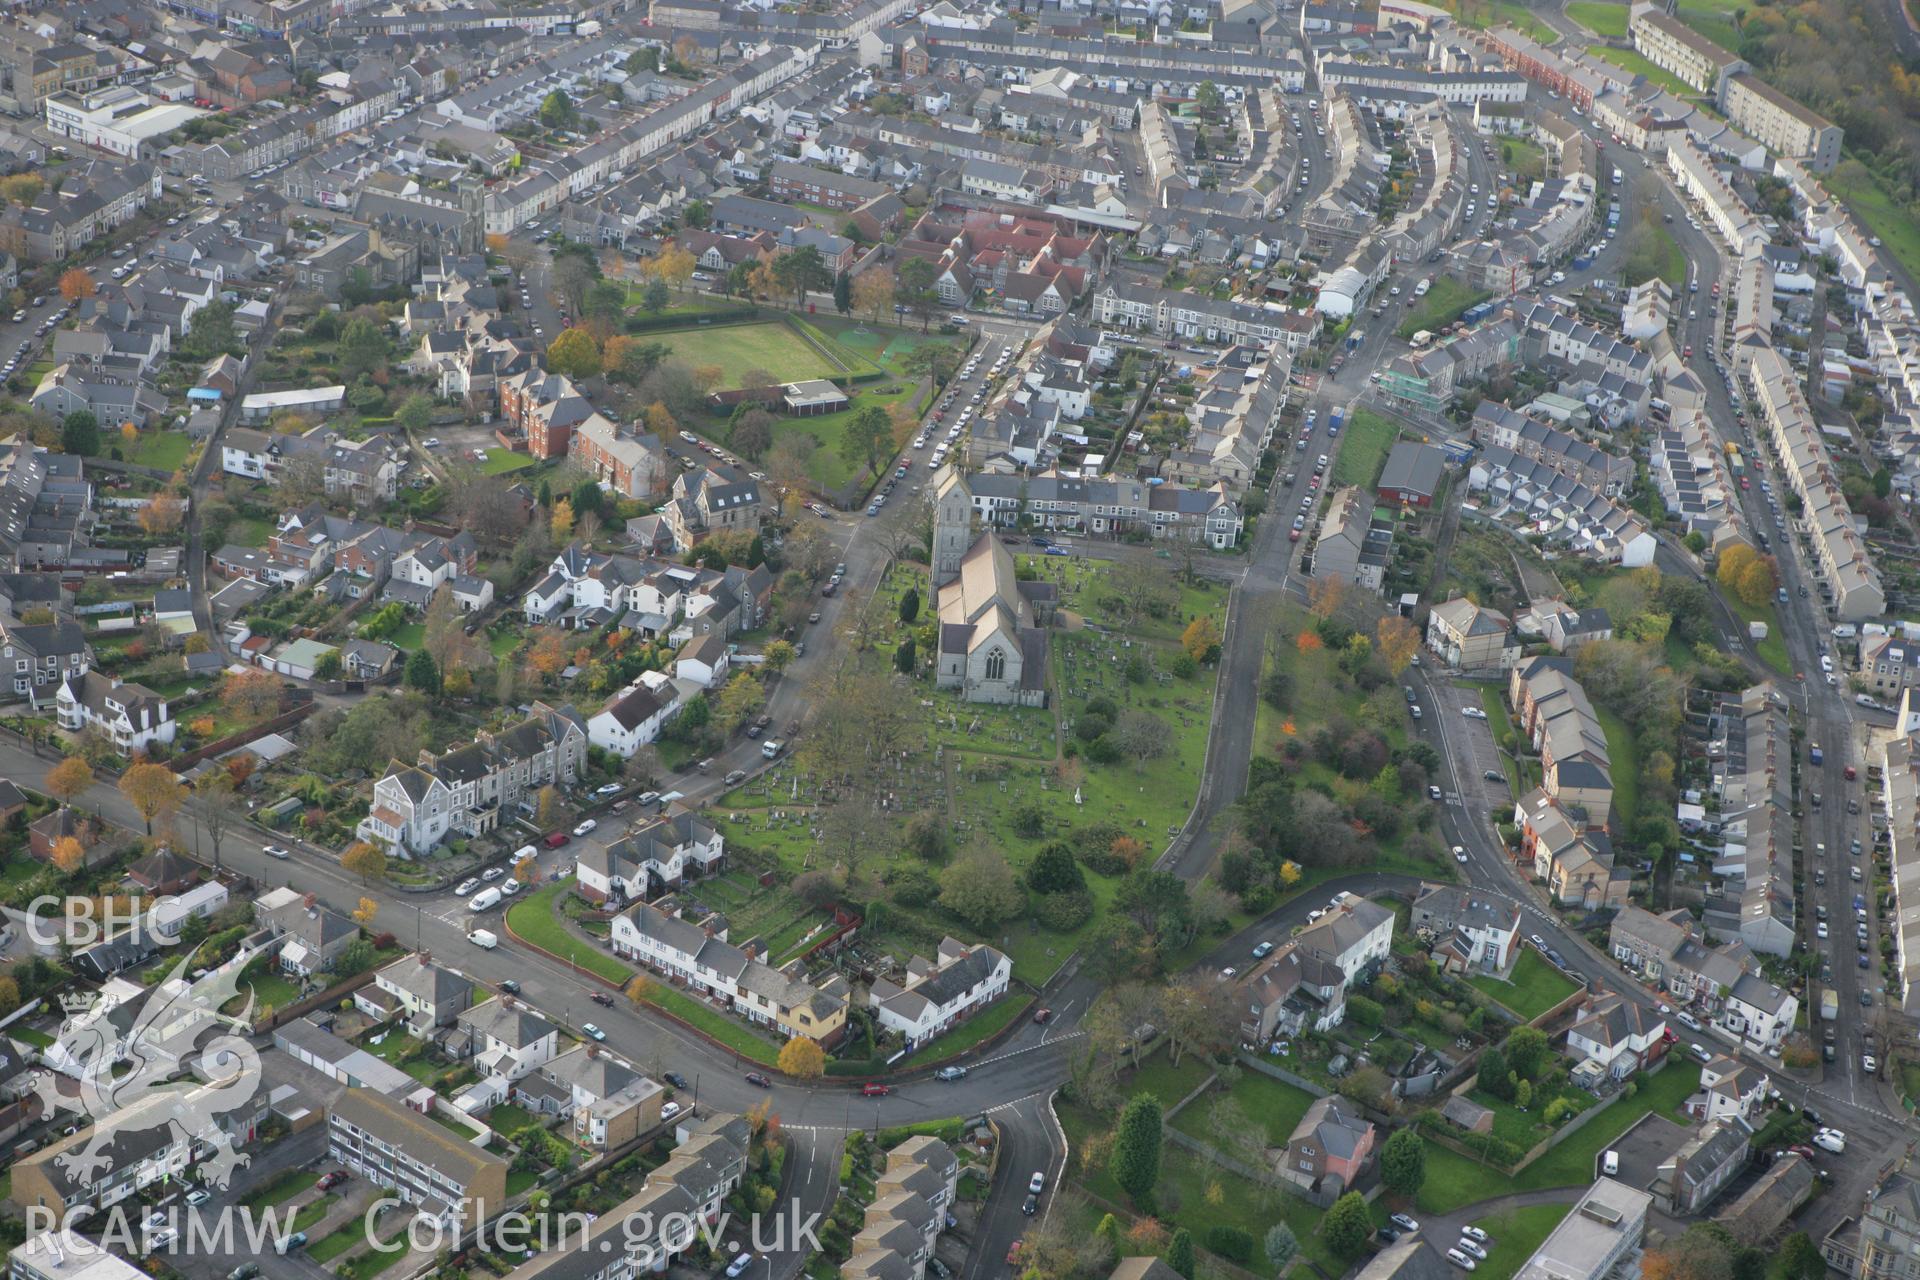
1235, 1244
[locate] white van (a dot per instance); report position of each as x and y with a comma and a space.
525, 852
1610, 1163
771, 749
484, 900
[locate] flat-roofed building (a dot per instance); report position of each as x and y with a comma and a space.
1605, 1227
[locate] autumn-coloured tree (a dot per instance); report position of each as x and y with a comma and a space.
1758, 581
661, 422
548, 806
69, 779
1201, 639
706, 377
76, 284
1325, 595
9, 994
240, 768
154, 791
129, 433
671, 266
549, 656
563, 519
366, 860
574, 353
364, 913
873, 292
1399, 641
253, 695
640, 988
197, 643
69, 855
162, 514
802, 1059
526, 871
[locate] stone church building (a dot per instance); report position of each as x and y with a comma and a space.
992, 626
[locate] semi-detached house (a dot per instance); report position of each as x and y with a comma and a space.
466, 790
960, 982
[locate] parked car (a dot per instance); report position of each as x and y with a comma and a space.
1262, 951
592, 1032
739, 1265
1037, 1183
275, 851
585, 826
1403, 1222
950, 1073
758, 1081
601, 998
874, 1089
466, 886
509, 986
675, 1079
1041, 1015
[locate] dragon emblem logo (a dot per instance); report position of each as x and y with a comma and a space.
168, 1057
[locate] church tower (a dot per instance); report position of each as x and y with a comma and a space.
952, 525
473, 211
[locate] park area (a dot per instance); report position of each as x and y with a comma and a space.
872, 363
1012, 779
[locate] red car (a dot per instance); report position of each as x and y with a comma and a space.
1013, 1250
874, 1089
328, 1181
1041, 1015
556, 838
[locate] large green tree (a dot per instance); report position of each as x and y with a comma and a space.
1527, 1052
80, 433
1053, 870
1403, 1163
1347, 1225
867, 438
802, 271
1495, 1073
1180, 1252
1136, 1148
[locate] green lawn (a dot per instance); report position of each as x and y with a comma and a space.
1624, 755
728, 1030
409, 637
1528, 160
1772, 650
1455, 1181
313, 1213
1654, 252
501, 461
1516, 1234
1712, 19
162, 450
1273, 1104
1444, 303
1505, 13
283, 1188
1632, 60
337, 1241
248, 532
1363, 448
1886, 217
737, 348
1536, 987
533, 918
1010, 1009
1599, 16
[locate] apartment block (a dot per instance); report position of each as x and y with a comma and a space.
428, 1166
1780, 124
1678, 49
